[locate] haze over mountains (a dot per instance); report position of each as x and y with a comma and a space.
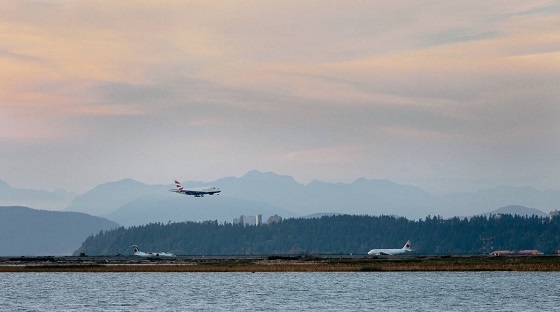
57, 200
129, 202
517, 210
30, 232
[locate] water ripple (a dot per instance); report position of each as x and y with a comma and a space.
378, 291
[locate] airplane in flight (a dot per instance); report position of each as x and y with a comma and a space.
197, 192
139, 253
390, 252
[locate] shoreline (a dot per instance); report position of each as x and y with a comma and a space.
283, 264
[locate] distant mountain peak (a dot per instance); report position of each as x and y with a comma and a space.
364, 180
516, 210
258, 175
519, 210
361, 180
128, 182
107, 197
4, 184
10, 196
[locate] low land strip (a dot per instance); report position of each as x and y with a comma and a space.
281, 264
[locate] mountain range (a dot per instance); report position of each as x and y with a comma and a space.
31, 232
25, 231
129, 202
516, 210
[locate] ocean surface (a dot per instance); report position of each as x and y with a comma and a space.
377, 291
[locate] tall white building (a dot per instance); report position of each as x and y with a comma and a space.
255, 220
554, 213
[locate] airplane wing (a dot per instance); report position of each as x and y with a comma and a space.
195, 193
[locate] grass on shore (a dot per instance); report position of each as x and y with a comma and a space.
445, 263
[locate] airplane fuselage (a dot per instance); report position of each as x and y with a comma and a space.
390, 252
387, 252
150, 254
197, 191
153, 254
200, 191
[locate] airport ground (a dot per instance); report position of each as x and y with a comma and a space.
282, 264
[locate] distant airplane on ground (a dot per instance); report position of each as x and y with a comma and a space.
197, 192
150, 254
390, 252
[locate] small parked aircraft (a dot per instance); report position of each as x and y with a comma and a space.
390, 252
139, 253
197, 192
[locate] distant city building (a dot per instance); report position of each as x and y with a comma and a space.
554, 213
248, 220
273, 219
240, 220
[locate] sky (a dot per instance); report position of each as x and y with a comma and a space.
444, 95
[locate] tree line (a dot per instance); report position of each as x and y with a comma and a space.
342, 234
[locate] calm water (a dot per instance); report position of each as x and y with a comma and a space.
378, 291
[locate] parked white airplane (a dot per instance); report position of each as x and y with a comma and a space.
390, 252
197, 192
150, 254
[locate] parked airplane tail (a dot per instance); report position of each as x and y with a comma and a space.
407, 246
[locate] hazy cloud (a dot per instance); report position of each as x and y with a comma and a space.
421, 93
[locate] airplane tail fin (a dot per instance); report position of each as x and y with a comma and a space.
179, 188
407, 246
135, 248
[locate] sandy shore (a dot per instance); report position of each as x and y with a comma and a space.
281, 264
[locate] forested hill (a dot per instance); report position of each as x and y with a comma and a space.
344, 234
